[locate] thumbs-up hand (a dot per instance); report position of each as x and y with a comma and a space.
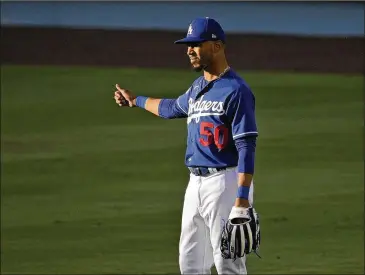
124, 97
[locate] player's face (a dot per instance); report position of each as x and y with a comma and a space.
200, 55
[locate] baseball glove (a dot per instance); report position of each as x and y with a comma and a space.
241, 233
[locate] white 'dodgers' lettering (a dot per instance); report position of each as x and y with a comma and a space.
202, 108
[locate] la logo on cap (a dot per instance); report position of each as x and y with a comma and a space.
190, 30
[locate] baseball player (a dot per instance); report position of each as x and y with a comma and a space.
219, 224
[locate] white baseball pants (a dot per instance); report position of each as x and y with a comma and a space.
207, 204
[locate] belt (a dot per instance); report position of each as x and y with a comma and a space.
205, 171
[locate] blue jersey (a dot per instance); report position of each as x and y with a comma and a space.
218, 113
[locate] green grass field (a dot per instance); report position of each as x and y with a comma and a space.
90, 188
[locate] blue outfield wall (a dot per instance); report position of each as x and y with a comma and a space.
291, 18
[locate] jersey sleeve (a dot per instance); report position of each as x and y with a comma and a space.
174, 108
241, 113
182, 102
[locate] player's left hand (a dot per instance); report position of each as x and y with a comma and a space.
241, 234
240, 202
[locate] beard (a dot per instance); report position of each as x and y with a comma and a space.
198, 68
200, 65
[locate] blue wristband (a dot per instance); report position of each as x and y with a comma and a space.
141, 101
243, 192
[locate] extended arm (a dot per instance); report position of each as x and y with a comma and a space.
166, 108
149, 104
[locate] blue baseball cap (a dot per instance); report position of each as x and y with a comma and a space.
201, 30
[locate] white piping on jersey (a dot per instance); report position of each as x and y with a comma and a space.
178, 104
199, 115
243, 134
